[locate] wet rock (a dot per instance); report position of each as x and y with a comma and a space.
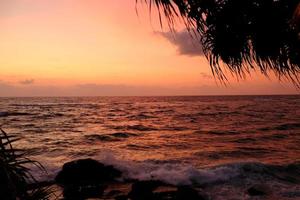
85, 178
114, 193
186, 192
257, 191
143, 190
121, 197
86, 172
148, 190
290, 173
75, 192
168, 195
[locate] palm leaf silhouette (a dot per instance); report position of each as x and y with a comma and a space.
242, 35
15, 176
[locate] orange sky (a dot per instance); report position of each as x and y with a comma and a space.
97, 47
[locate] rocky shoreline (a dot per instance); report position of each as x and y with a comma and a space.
90, 179
87, 178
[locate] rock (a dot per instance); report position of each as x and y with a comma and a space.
85, 178
114, 193
86, 172
75, 192
289, 173
148, 190
121, 197
256, 191
186, 192
165, 195
143, 190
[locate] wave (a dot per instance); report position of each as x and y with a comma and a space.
141, 116
113, 137
93, 105
137, 127
7, 114
245, 140
218, 113
282, 127
217, 132
181, 174
219, 182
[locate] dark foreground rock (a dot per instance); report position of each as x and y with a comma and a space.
257, 191
144, 190
186, 192
156, 190
86, 171
75, 192
85, 178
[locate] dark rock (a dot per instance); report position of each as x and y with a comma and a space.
148, 190
186, 192
113, 193
289, 173
86, 172
256, 191
144, 190
165, 195
75, 192
121, 197
85, 178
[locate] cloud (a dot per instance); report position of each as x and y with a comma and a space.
27, 82
185, 43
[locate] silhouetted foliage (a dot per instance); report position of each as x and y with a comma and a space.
242, 34
15, 176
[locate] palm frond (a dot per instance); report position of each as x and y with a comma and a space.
41, 193
243, 35
15, 171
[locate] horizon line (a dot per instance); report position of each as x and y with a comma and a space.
210, 95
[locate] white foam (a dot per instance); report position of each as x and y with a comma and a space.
176, 174
172, 173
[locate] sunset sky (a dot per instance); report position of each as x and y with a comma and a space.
97, 47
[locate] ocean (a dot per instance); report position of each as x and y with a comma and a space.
225, 142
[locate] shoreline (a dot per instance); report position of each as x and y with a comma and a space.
254, 181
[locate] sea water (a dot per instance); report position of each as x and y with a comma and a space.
225, 142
